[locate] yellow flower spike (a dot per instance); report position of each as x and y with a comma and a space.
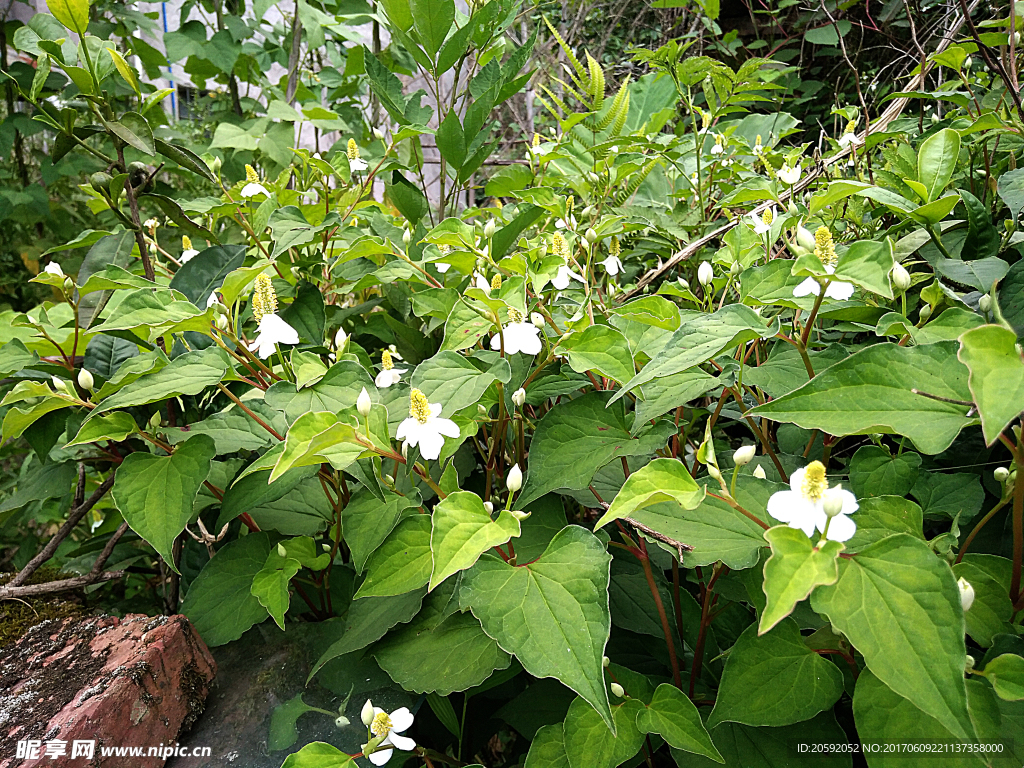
419, 409
381, 724
536, 140
851, 127
250, 175
559, 246
186, 243
496, 282
514, 315
353, 150
570, 203
815, 483
824, 247
616, 248
264, 299
767, 216
385, 360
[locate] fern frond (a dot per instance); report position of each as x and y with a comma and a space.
613, 111
581, 72
597, 83
638, 178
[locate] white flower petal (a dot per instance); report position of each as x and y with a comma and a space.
187, 255
430, 443
407, 430
446, 427
403, 743
384, 379
442, 267
839, 291
401, 720
841, 528
381, 757
796, 480
782, 504
808, 287
435, 410
357, 164
561, 280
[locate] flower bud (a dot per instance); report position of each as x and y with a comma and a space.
378, 134
155, 420
390, 479
618, 691
514, 481
221, 322
900, 278
735, 269
59, 384
759, 473
519, 514
832, 504
705, 273
488, 507
985, 303
69, 285
519, 397
405, 449
537, 319
805, 238
340, 338
714, 472
591, 235
744, 455
341, 722
969, 663
925, 312
684, 284
489, 228
282, 551
605, 662
1001, 474
363, 403
406, 238
966, 593
366, 713
85, 380
587, 211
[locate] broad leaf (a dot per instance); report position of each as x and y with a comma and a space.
870, 392
576, 438
318, 755
552, 613
899, 605
775, 679
674, 717
997, 376
156, 493
602, 349
590, 744
462, 531
1006, 673
794, 569
874, 471
454, 381
661, 480
547, 750
402, 563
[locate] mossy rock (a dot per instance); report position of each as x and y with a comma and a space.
18, 615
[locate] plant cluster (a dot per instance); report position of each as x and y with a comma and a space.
672, 439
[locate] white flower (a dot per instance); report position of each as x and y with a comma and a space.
759, 472
569, 223
847, 139
425, 428
519, 397
188, 255
53, 268
272, 330
836, 290
86, 381
561, 280
966, 593
537, 319
481, 282
705, 273
763, 223
358, 164
254, 188
340, 338
803, 506
613, 264
389, 375
617, 691
518, 336
719, 147
789, 176
442, 267
390, 726
900, 277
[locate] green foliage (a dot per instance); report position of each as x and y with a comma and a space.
626, 436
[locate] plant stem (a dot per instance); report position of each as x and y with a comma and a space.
1018, 522
645, 561
977, 529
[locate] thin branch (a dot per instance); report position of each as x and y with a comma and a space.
64, 585
74, 518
